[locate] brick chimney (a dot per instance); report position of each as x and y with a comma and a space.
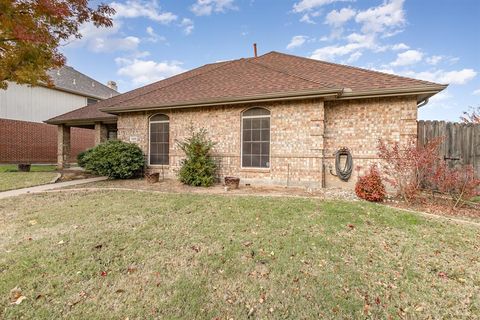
112, 85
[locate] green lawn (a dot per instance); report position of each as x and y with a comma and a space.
140, 255
17, 180
33, 168
11, 179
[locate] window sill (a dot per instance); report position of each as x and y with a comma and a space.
158, 166
262, 170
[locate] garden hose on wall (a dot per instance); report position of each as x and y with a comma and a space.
345, 172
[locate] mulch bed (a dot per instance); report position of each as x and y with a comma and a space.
440, 206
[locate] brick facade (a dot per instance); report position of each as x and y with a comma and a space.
32, 142
358, 124
304, 136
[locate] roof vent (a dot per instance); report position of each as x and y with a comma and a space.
74, 82
112, 85
93, 84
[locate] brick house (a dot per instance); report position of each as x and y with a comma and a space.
24, 138
276, 119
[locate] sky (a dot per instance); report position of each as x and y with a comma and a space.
435, 40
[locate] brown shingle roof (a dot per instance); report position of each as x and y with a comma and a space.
92, 112
273, 74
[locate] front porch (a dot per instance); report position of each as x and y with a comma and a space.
103, 131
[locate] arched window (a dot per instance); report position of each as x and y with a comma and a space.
159, 137
256, 138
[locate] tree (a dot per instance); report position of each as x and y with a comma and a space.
32, 30
471, 116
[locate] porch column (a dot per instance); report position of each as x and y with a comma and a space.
101, 133
63, 146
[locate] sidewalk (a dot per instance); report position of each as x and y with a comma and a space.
46, 187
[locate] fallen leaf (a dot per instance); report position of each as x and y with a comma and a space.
131, 269
366, 309
247, 243
19, 300
16, 296
103, 274
61, 242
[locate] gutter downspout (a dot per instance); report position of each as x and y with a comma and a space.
421, 104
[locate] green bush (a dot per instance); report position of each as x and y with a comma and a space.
115, 159
81, 156
198, 168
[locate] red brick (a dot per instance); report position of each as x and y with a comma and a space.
31, 142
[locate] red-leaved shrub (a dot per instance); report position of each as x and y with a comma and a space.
406, 167
460, 182
411, 169
370, 187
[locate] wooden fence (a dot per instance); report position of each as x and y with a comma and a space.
461, 142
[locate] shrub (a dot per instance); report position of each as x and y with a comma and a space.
80, 158
198, 168
460, 182
412, 169
408, 167
115, 159
370, 187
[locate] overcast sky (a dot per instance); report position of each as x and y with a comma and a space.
435, 40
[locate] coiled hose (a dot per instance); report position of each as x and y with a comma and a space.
345, 172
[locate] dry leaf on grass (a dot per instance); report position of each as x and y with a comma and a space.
16, 296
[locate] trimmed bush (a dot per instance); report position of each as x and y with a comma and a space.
370, 187
115, 159
198, 168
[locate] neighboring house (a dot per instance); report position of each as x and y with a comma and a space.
23, 108
276, 119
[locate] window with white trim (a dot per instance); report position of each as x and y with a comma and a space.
159, 140
256, 138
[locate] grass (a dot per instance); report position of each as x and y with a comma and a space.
17, 180
11, 179
33, 168
139, 255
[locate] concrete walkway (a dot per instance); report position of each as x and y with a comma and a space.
46, 187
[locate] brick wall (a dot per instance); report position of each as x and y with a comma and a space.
358, 124
31, 142
302, 132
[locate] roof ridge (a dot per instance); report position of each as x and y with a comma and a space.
350, 67
92, 79
287, 73
225, 63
